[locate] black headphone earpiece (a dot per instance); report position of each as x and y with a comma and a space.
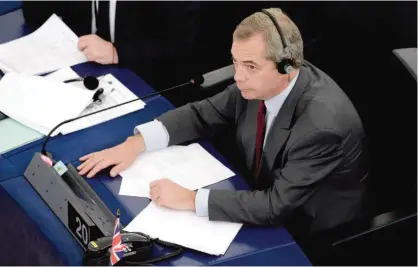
285, 65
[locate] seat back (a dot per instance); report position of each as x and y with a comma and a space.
9, 6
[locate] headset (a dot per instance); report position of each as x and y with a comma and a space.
285, 65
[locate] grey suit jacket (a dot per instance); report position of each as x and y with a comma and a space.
313, 163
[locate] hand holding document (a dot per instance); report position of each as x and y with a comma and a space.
185, 228
189, 166
51, 47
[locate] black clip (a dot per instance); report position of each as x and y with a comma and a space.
98, 94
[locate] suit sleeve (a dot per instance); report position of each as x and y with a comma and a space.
311, 159
36, 13
173, 36
202, 119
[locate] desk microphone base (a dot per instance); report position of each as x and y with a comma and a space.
72, 200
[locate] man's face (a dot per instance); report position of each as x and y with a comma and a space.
256, 76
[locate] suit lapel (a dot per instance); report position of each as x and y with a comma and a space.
280, 130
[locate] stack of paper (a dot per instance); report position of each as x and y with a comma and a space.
40, 103
115, 93
185, 228
51, 47
189, 166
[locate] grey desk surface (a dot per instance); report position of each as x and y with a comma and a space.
408, 56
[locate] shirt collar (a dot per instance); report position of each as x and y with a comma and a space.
274, 104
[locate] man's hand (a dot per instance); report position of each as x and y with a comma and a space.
168, 194
122, 155
98, 50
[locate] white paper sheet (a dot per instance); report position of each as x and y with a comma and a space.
40, 103
189, 166
116, 93
185, 228
52, 46
65, 74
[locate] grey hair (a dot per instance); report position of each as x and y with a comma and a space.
260, 23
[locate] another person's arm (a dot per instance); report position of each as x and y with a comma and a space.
36, 13
169, 35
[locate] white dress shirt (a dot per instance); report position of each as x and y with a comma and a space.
112, 17
156, 137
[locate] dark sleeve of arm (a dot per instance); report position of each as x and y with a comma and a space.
36, 13
169, 34
203, 118
311, 160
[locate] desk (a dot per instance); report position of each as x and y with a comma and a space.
252, 246
256, 242
7, 170
112, 132
25, 247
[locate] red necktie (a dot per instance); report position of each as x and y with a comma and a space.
260, 135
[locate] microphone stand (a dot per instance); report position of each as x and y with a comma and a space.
43, 151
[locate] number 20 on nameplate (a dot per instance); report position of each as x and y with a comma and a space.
78, 226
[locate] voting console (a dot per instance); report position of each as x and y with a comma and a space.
72, 200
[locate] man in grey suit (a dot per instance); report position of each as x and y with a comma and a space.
301, 137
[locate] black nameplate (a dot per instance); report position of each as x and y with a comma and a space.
80, 228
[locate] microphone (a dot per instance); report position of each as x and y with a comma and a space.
90, 82
195, 81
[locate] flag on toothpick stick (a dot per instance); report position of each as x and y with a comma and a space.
117, 246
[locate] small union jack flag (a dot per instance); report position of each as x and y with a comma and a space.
117, 249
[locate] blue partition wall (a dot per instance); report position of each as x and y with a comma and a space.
22, 241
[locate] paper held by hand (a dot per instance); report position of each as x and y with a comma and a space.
52, 46
185, 228
189, 166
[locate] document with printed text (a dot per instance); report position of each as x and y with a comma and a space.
189, 166
52, 46
41, 103
115, 93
